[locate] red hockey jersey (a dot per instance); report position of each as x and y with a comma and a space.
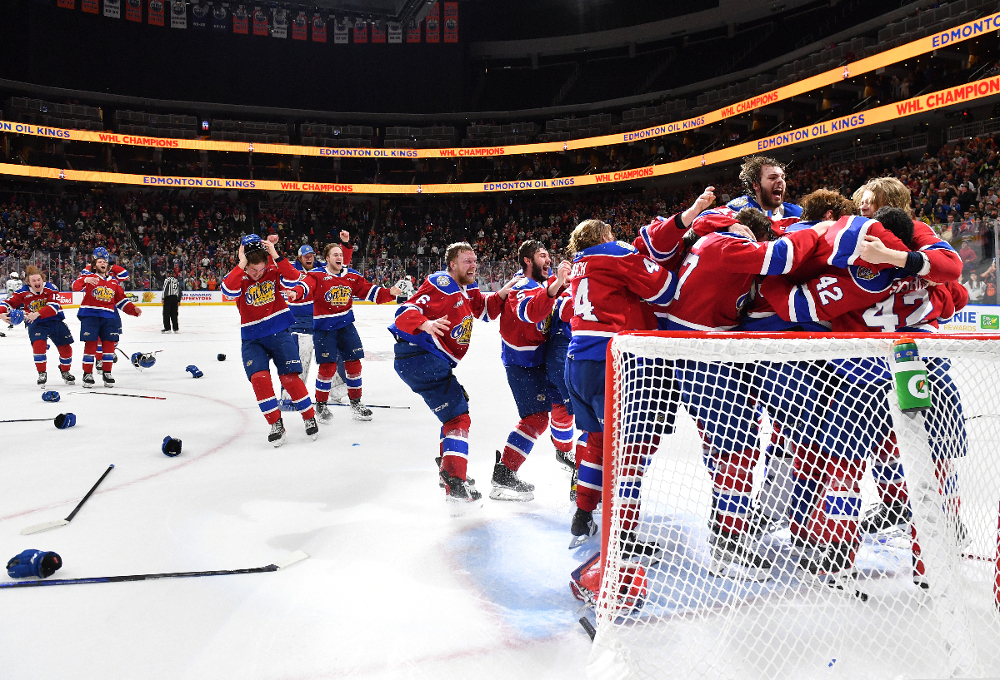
609, 282
441, 296
104, 298
263, 310
46, 303
302, 307
333, 296
523, 340
912, 305
717, 277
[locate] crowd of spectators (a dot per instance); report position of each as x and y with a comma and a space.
195, 235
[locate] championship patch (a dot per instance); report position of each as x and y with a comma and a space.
260, 294
462, 333
442, 281
338, 297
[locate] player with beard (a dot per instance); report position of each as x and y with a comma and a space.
523, 355
121, 274
764, 179
432, 330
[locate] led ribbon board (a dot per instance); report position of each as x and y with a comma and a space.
913, 106
916, 48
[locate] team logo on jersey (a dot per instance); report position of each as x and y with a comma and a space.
260, 294
338, 297
865, 274
103, 294
35, 305
874, 282
442, 280
462, 333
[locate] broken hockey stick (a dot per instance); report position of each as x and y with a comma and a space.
372, 406
117, 394
296, 556
46, 526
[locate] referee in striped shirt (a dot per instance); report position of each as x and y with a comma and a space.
171, 302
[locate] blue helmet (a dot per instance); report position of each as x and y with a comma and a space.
101, 253
306, 250
250, 243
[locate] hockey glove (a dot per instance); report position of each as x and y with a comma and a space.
33, 563
171, 447
51, 395
194, 371
65, 420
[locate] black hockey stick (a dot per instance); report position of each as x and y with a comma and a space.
36, 420
372, 406
296, 556
116, 394
45, 526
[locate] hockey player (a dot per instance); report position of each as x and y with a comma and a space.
100, 325
45, 320
610, 279
13, 284
432, 332
302, 329
764, 179
257, 282
333, 289
523, 355
120, 274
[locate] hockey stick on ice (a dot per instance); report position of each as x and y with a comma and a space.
116, 394
45, 526
373, 406
296, 556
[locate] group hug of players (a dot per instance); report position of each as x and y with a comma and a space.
37, 302
756, 264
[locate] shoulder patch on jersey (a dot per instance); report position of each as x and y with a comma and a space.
739, 202
875, 282
443, 282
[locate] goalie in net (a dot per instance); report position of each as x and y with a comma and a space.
724, 593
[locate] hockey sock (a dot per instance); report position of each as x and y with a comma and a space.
634, 459
99, 352
562, 428
299, 394
947, 477
89, 349
808, 473
455, 445
731, 489
581, 446
65, 357
887, 470
522, 439
108, 358
262, 387
837, 519
353, 380
39, 347
591, 476
324, 380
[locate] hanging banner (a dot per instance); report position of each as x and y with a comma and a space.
154, 14
300, 27
413, 32
89, 6
178, 14
432, 25
378, 32
451, 22
259, 21
279, 23
241, 20
113, 9
66, 4
319, 29
395, 33
199, 15
220, 19
340, 32
360, 31
133, 10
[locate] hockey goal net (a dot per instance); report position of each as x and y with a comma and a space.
769, 511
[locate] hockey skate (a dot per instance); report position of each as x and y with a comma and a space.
644, 552
567, 458
507, 486
277, 435
885, 516
360, 411
323, 412
88, 380
460, 494
437, 461
831, 565
43, 377
68, 377
108, 380
734, 556
338, 389
583, 528
312, 428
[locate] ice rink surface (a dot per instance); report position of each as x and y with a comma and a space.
394, 587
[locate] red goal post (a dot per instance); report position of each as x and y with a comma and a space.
657, 379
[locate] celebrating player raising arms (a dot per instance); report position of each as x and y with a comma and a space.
333, 289
257, 283
100, 324
432, 330
45, 320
